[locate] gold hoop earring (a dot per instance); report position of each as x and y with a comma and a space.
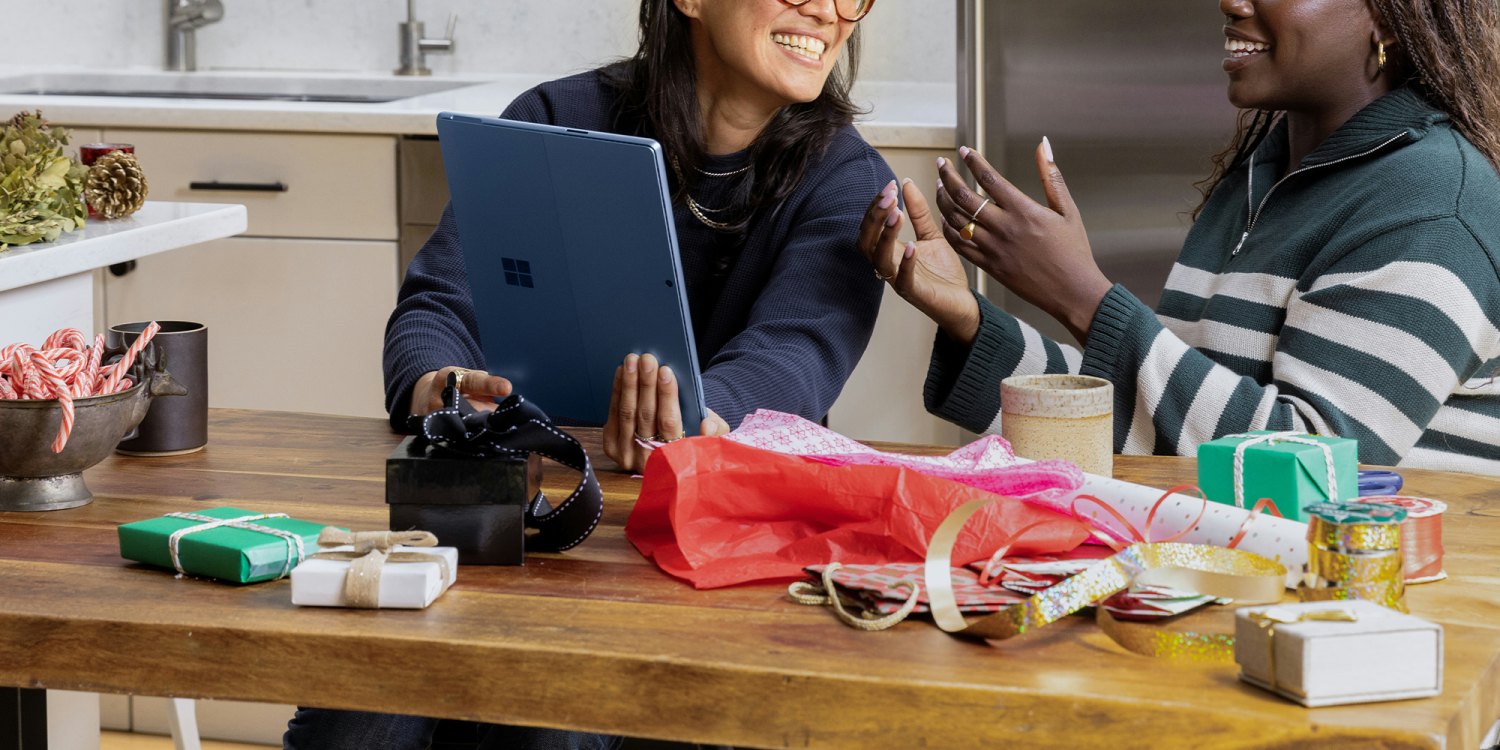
1380, 55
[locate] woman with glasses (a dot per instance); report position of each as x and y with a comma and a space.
750, 102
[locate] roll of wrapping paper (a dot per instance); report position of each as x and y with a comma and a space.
1421, 536
1214, 571
1354, 552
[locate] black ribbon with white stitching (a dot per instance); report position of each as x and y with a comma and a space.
518, 428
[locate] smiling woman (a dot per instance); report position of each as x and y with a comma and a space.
1342, 275
750, 102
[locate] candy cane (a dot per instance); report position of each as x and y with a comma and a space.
89, 378
6, 391
48, 372
124, 385
119, 369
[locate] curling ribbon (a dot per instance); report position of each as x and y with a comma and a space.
1421, 536
1354, 552
1213, 571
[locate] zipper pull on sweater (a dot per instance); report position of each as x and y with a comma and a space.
1243, 237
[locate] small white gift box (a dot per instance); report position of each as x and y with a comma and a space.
320, 582
1331, 653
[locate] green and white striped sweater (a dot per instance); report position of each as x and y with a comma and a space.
1357, 296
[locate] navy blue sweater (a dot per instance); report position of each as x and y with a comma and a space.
781, 314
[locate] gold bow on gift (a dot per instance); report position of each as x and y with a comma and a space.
372, 550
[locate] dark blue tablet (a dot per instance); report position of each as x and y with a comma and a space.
572, 260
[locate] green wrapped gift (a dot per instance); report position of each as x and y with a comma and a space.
1290, 468
230, 544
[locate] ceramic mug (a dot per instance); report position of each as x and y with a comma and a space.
1060, 416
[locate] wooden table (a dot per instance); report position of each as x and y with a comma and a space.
599, 639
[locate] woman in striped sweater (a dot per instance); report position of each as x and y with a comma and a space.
1342, 275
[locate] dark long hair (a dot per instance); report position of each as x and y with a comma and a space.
659, 88
1447, 50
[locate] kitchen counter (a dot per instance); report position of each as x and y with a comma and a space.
45, 286
902, 114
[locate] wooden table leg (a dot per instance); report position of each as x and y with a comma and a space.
23, 719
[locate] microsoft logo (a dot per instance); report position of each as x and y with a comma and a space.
517, 272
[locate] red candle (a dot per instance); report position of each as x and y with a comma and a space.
88, 152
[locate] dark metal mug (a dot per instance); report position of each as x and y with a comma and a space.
173, 426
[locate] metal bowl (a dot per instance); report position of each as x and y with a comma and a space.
32, 477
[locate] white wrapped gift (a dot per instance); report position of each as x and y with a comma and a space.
1332, 653
384, 575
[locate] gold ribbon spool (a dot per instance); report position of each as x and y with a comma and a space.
372, 550
1325, 534
1354, 561
1213, 571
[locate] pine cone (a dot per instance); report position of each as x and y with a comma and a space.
116, 186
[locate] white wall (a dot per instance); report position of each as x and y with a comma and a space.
909, 40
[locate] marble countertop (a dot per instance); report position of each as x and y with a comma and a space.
157, 227
902, 114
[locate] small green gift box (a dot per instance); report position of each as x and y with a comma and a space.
1290, 468
230, 544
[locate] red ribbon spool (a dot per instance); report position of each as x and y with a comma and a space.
1421, 536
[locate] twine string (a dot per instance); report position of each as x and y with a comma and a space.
293, 541
1272, 439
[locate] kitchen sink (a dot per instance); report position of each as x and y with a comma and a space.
289, 87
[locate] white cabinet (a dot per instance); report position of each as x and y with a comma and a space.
305, 295
295, 184
293, 325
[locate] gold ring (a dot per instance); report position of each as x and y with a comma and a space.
883, 278
967, 232
652, 439
458, 378
673, 440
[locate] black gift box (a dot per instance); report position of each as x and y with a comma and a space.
477, 505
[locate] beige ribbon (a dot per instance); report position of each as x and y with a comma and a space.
372, 550
1213, 571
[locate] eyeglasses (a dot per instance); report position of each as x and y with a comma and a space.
849, 10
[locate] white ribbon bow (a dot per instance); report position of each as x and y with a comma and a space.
1272, 439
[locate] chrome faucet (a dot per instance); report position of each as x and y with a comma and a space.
414, 48
184, 18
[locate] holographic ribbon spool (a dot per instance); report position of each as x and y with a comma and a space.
1421, 536
1354, 552
1214, 571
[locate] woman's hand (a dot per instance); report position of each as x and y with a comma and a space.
1041, 253
644, 406
926, 273
478, 386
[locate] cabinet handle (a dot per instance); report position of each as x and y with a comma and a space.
120, 269
259, 187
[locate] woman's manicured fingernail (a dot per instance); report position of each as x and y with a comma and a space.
906, 181
941, 162
630, 363
963, 152
887, 200
911, 249
666, 374
895, 217
940, 183
890, 185
1047, 150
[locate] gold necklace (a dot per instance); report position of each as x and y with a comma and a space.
696, 209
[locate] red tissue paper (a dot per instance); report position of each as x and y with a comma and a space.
716, 512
